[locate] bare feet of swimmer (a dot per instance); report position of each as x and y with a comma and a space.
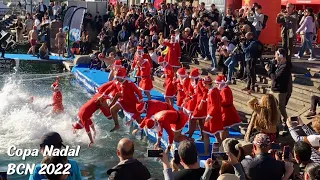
116, 127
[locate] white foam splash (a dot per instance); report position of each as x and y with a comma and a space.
22, 124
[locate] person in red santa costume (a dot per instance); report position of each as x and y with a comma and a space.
150, 107
98, 101
191, 95
139, 55
182, 86
174, 52
113, 69
200, 110
170, 120
170, 90
145, 83
213, 122
229, 113
125, 98
57, 106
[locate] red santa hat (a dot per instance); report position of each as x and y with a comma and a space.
182, 72
220, 79
117, 63
139, 48
141, 107
194, 74
121, 73
160, 59
207, 80
150, 123
101, 55
55, 85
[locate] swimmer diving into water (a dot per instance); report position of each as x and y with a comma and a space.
57, 106
98, 101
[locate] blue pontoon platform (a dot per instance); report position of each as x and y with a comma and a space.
30, 57
91, 79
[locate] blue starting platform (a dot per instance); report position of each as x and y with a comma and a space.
91, 79
30, 57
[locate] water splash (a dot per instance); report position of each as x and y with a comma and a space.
23, 123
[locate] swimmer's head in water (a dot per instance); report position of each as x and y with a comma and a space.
31, 99
55, 85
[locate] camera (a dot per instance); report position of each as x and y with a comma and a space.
220, 43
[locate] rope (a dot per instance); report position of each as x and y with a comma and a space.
23, 75
48, 77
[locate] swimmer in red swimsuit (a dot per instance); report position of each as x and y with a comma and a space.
56, 99
98, 101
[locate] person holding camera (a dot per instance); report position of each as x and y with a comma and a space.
225, 48
289, 22
250, 47
280, 72
256, 17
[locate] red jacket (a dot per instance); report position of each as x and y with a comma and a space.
229, 113
105, 86
128, 91
154, 106
174, 54
214, 104
57, 101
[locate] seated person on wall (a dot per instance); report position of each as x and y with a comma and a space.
95, 62
43, 51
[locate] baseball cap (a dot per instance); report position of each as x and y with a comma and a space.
51, 139
262, 140
313, 140
224, 38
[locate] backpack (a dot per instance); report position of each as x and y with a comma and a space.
265, 19
260, 49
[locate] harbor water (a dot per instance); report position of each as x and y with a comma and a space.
23, 124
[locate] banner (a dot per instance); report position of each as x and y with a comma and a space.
75, 25
67, 17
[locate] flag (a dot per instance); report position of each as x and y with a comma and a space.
67, 17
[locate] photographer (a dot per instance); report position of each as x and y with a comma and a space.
225, 48
250, 50
256, 17
289, 22
280, 73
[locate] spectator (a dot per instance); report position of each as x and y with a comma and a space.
263, 166
250, 51
309, 28
312, 171
19, 29
302, 154
56, 10
128, 168
123, 35
289, 22
280, 73
56, 161
256, 17
43, 51
54, 139
309, 136
29, 23
265, 117
189, 160
315, 100
225, 48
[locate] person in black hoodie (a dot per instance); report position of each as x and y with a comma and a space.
280, 73
128, 167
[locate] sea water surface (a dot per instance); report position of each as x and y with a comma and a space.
22, 125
